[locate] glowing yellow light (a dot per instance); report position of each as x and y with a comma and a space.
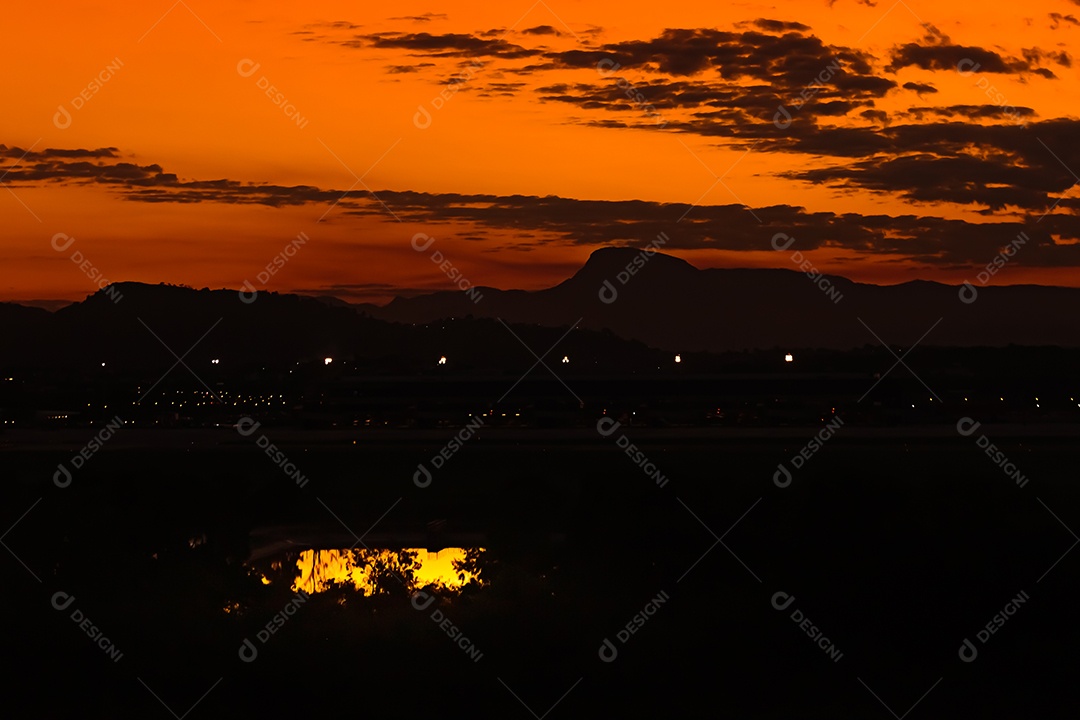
678, 358
318, 569
789, 358
442, 360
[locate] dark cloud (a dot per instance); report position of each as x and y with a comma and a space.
985, 156
938, 53
973, 112
989, 157
541, 30
426, 17
446, 45
993, 166
793, 59
920, 88
146, 183
728, 81
777, 26
1057, 19
507, 89
334, 25
16, 153
1038, 55
1023, 176
771, 82
403, 69
932, 241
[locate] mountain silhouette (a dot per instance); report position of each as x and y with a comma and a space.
630, 305
669, 304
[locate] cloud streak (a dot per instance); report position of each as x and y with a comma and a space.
927, 240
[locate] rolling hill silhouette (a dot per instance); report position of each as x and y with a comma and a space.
276, 330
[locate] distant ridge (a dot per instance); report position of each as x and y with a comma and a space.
654, 300
668, 303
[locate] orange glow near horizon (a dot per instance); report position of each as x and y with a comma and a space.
317, 570
186, 90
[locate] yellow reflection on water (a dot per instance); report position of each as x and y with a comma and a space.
317, 570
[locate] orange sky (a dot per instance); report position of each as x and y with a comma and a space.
175, 98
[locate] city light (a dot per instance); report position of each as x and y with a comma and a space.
327, 361
442, 360
789, 358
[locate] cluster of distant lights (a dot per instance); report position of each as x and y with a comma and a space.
220, 398
566, 359
490, 413
442, 360
215, 361
788, 357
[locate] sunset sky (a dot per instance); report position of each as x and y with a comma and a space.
916, 140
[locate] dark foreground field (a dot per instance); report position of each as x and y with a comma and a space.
891, 550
